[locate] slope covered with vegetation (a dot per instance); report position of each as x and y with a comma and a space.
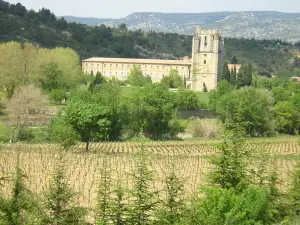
44, 29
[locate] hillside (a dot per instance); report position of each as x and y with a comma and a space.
259, 25
46, 30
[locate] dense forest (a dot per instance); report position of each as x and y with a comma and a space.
44, 29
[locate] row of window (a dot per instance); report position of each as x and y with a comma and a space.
143, 67
127, 73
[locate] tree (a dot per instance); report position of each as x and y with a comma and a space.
233, 76
173, 80
99, 79
248, 105
63, 133
248, 74
234, 60
52, 78
204, 87
25, 102
151, 110
57, 95
173, 207
23, 207
143, 199
187, 99
226, 72
240, 79
88, 118
136, 77
59, 205
294, 192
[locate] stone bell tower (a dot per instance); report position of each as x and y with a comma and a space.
207, 59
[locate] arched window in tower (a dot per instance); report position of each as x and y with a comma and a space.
199, 44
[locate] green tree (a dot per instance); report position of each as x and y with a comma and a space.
240, 82
173, 207
248, 74
143, 199
60, 201
226, 72
136, 77
252, 106
294, 192
173, 80
88, 118
57, 95
234, 60
187, 99
52, 78
99, 79
22, 207
63, 133
151, 111
204, 88
233, 76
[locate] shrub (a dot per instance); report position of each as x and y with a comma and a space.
208, 128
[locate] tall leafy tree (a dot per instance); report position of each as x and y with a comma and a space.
173, 80
240, 82
99, 79
234, 60
136, 77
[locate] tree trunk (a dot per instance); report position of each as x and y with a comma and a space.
87, 145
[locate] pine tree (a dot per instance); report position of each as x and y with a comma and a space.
226, 72
103, 207
233, 76
22, 208
144, 200
248, 74
231, 162
173, 206
60, 206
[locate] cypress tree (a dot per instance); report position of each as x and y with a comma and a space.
204, 88
233, 76
226, 72
234, 60
248, 74
99, 79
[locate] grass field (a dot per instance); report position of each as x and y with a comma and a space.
189, 158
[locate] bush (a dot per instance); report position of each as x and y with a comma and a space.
57, 95
4, 133
208, 128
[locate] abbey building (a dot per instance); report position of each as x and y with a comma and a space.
204, 69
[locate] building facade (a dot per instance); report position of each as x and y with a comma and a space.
203, 69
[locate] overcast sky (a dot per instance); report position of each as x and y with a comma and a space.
122, 8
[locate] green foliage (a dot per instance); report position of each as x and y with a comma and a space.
172, 208
187, 99
226, 206
136, 77
60, 203
173, 80
103, 211
99, 79
4, 133
248, 74
204, 88
294, 193
240, 82
52, 78
231, 162
152, 109
143, 199
88, 118
63, 133
22, 207
234, 60
223, 88
233, 77
238, 106
57, 95
225, 72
